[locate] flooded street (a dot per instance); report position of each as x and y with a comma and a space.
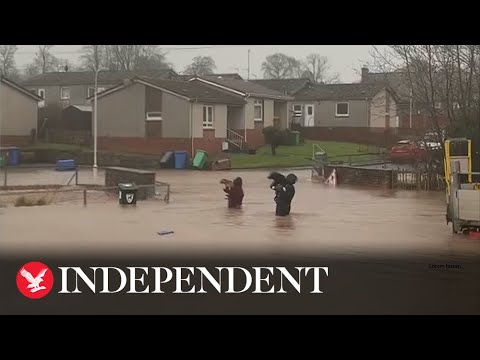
379, 245
324, 220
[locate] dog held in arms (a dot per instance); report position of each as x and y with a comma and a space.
284, 191
234, 192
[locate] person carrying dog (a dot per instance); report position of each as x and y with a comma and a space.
284, 192
235, 194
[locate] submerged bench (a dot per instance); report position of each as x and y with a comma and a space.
145, 180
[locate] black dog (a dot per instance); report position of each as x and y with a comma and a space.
278, 179
284, 192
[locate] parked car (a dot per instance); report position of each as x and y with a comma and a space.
431, 140
407, 151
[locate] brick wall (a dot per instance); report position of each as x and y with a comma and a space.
255, 137
115, 176
362, 176
208, 143
8, 140
359, 135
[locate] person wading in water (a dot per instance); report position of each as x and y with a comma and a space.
235, 194
284, 192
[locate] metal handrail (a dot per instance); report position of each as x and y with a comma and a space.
235, 137
314, 147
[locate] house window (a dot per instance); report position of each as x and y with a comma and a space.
208, 117
41, 93
154, 116
342, 109
258, 110
65, 93
297, 110
91, 91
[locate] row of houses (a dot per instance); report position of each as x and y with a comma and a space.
156, 111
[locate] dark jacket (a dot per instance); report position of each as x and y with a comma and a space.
284, 195
235, 196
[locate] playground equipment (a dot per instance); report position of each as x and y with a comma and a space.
458, 149
320, 160
463, 195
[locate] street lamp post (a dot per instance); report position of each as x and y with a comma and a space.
1, 132
1, 77
95, 121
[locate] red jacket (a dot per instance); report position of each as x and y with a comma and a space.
235, 196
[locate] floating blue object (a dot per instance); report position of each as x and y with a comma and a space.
65, 165
167, 232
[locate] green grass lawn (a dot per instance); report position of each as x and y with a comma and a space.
296, 156
54, 146
286, 156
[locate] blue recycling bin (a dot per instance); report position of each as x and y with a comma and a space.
181, 159
13, 156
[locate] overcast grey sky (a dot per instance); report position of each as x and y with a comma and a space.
344, 59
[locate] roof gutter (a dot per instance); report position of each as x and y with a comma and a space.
218, 85
20, 88
272, 97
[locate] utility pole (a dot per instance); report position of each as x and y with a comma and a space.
1, 110
248, 76
411, 105
95, 122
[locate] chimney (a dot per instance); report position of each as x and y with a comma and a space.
364, 74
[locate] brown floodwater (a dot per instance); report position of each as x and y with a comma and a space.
325, 220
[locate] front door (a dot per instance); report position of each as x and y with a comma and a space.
276, 122
309, 116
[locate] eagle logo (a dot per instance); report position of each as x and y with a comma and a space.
35, 287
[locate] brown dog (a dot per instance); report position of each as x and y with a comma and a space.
228, 184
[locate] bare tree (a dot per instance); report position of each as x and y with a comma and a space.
281, 66
152, 58
93, 57
315, 67
443, 81
31, 70
43, 62
7, 60
201, 65
65, 65
135, 57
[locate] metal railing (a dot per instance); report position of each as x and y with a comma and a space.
82, 194
5, 172
235, 138
417, 179
316, 149
48, 188
359, 159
